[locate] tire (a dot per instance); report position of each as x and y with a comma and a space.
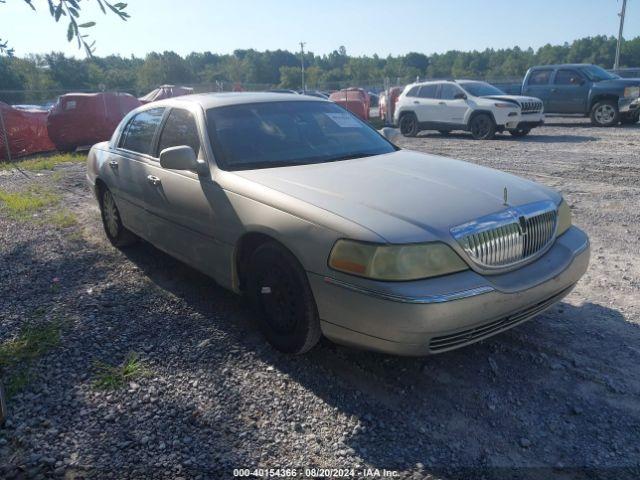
605, 114
408, 124
444, 132
116, 232
630, 119
279, 292
482, 127
520, 132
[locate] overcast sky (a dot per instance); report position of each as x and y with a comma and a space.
364, 27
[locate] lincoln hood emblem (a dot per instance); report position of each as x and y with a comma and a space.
505, 196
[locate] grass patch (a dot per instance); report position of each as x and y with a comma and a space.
63, 218
111, 377
43, 163
17, 353
22, 205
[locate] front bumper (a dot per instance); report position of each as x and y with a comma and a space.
528, 124
628, 104
440, 314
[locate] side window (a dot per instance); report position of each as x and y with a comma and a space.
179, 129
428, 91
448, 91
413, 92
539, 77
139, 134
567, 77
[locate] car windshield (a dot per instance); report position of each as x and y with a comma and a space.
480, 89
597, 74
285, 133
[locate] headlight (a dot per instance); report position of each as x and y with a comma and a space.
395, 262
564, 218
506, 105
632, 92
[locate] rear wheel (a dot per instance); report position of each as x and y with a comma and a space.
520, 132
279, 291
116, 232
482, 127
605, 114
409, 124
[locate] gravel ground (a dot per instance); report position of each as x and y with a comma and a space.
557, 397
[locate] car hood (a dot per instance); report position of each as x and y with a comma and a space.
618, 83
403, 196
514, 98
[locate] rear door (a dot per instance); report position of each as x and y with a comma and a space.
539, 85
426, 103
569, 92
133, 151
452, 110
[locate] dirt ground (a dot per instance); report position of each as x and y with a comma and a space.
557, 397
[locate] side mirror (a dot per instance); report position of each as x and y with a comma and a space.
460, 96
181, 158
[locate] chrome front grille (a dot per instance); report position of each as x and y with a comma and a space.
531, 106
509, 237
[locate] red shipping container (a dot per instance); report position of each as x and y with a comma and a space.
82, 119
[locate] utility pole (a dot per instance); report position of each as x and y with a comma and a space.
302, 44
616, 65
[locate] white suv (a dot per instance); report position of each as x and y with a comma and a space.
469, 105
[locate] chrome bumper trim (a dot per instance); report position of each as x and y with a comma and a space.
446, 297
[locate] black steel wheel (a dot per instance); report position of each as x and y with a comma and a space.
409, 124
482, 127
279, 291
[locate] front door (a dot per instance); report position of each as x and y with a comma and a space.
181, 204
452, 110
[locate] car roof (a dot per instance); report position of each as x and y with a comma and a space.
561, 65
213, 100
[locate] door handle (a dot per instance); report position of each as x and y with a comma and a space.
113, 163
153, 180
553, 90
416, 102
442, 103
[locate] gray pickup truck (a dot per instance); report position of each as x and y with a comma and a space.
585, 89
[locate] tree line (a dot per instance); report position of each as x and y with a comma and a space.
36, 78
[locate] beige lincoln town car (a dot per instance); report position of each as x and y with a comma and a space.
330, 229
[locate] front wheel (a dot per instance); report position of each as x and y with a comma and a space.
605, 114
482, 127
409, 125
520, 132
279, 292
116, 232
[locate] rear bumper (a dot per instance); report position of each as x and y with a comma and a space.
440, 314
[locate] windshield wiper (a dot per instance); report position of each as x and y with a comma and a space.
350, 156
